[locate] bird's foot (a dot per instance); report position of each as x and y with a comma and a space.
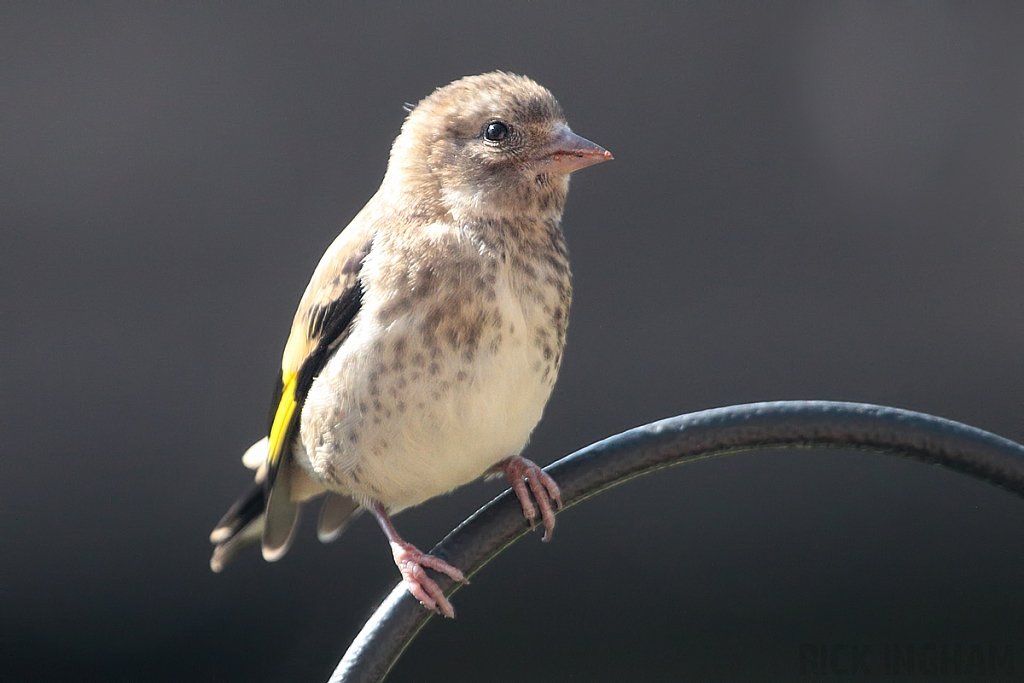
520, 472
411, 562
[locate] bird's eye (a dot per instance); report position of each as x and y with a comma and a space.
496, 131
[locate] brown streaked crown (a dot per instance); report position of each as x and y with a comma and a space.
448, 161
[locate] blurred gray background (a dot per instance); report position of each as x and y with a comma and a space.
809, 200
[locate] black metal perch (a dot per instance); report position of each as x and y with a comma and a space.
709, 433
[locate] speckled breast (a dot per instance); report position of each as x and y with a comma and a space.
447, 370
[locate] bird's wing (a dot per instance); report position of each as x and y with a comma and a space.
322, 322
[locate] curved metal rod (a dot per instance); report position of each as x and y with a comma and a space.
755, 426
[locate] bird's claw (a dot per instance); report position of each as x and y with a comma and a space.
411, 562
526, 477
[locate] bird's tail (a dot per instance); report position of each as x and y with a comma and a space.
246, 521
240, 526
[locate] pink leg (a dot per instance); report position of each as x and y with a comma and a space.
518, 473
411, 562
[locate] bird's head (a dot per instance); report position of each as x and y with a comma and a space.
489, 144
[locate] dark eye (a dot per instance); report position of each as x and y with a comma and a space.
496, 131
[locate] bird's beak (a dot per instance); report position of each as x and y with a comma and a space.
569, 152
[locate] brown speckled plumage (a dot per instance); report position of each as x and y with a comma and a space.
455, 280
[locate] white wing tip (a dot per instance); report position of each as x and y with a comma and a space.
256, 455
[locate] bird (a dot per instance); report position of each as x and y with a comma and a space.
427, 342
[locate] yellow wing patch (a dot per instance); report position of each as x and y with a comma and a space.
283, 420
331, 301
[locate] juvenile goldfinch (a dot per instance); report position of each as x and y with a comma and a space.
429, 338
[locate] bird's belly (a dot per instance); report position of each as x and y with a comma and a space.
400, 417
